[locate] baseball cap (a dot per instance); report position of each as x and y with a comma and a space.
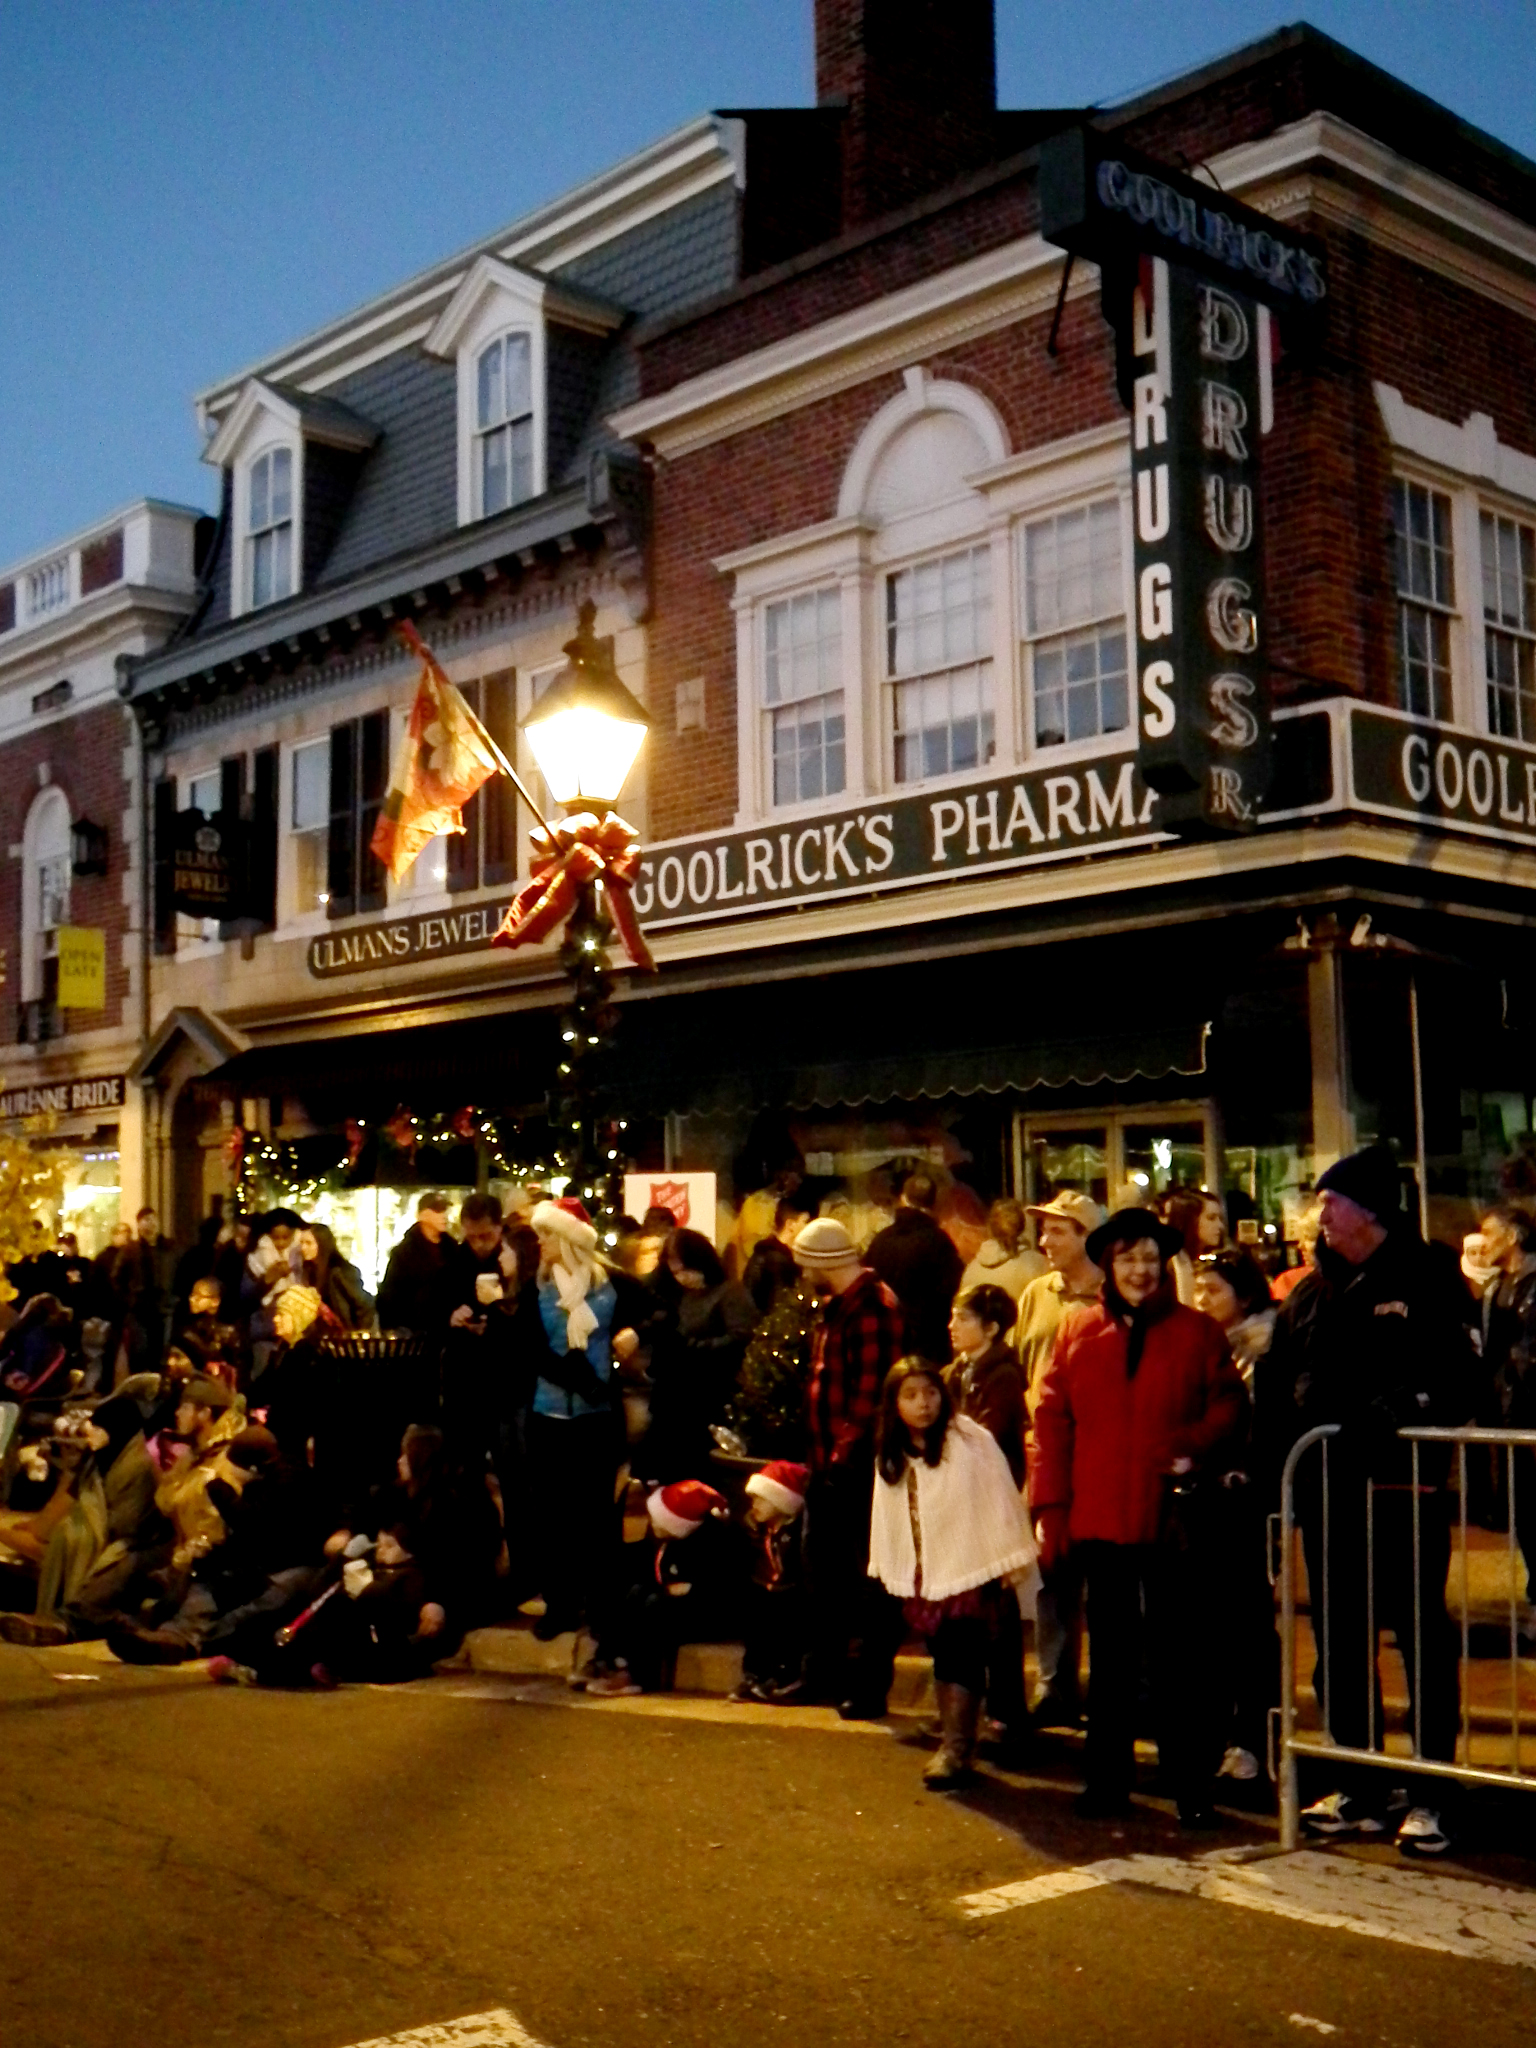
1077, 1208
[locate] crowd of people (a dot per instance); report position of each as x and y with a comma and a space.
216, 1458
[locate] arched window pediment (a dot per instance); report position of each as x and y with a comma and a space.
920, 447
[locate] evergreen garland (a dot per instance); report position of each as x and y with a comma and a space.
768, 1412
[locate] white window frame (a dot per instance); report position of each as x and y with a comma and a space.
46, 839
496, 298
483, 433
197, 937
292, 915
241, 595
857, 550
1526, 634
1463, 617
1479, 473
890, 682
252, 534
1062, 476
837, 556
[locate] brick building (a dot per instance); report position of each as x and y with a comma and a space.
836, 440
71, 889
915, 895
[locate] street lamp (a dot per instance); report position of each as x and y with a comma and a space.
586, 729
585, 732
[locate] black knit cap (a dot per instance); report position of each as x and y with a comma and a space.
1130, 1226
1370, 1179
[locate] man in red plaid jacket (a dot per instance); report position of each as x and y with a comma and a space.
854, 1625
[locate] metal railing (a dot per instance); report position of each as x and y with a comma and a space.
1290, 1747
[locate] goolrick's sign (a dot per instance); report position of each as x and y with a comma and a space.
1405, 768
1189, 281
1041, 816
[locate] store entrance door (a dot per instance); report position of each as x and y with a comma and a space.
1106, 1152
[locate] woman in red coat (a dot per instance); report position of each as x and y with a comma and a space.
1140, 1398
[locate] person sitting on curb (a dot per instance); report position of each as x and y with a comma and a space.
685, 1583
773, 1652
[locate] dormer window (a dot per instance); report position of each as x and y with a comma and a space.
293, 458
269, 541
509, 331
504, 414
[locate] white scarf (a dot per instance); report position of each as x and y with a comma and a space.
974, 1521
576, 1275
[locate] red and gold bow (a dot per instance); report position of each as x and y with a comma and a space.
566, 858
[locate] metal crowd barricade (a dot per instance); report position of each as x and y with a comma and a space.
1284, 1764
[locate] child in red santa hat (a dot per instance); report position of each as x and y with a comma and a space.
685, 1585
774, 1651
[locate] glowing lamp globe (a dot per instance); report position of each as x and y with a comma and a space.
586, 728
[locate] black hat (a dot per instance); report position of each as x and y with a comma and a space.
1130, 1226
1370, 1179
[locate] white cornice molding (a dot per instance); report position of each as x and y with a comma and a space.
259, 401
892, 333
1318, 165
1472, 449
1172, 864
533, 297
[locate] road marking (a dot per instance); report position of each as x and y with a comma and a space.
1452, 1916
498, 2029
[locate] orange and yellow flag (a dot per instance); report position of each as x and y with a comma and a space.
444, 755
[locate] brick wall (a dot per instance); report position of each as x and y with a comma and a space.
85, 759
1329, 563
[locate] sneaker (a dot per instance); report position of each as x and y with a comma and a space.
1421, 1834
614, 1685
751, 1692
1055, 1710
225, 1671
1338, 1814
1240, 1764
580, 1677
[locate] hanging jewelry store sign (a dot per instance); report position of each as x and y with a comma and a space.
1190, 282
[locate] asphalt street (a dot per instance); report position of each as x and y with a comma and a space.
188, 1865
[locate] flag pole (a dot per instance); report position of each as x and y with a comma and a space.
406, 633
517, 781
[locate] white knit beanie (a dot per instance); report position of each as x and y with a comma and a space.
824, 1242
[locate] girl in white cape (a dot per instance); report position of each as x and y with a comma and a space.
950, 1537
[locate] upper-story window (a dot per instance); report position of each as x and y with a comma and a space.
803, 696
309, 824
1426, 597
45, 904
504, 423
938, 647
269, 527
1509, 625
1074, 624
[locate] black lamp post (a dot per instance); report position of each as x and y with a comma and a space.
585, 732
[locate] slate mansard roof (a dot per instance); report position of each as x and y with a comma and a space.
381, 468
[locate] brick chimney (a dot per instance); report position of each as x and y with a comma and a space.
919, 81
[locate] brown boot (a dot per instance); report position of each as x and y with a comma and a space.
959, 1713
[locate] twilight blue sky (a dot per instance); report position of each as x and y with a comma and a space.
190, 183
